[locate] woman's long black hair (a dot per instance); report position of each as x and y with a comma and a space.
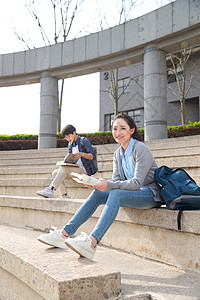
131, 124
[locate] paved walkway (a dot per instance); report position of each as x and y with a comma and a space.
139, 276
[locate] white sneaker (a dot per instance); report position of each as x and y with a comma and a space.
82, 245
46, 192
65, 196
54, 238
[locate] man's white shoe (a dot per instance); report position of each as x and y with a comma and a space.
82, 245
54, 238
65, 196
47, 192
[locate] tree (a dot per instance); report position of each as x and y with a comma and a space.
63, 13
124, 9
179, 68
122, 13
114, 92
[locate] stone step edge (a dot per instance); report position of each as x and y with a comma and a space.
146, 296
157, 217
39, 163
101, 165
186, 164
36, 182
192, 141
160, 153
55, 278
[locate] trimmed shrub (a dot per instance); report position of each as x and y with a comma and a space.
30, 141
18, 145
4, 137
183, 132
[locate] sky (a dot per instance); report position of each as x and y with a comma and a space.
20, 105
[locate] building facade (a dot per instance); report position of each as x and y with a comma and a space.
132, 100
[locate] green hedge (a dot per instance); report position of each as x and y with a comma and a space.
171, 129
21, 137
190, 125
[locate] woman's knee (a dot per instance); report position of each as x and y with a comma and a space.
98, 196
115, 194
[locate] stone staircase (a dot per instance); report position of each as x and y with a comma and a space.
151, 234
24, 172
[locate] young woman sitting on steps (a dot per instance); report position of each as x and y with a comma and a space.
132, 185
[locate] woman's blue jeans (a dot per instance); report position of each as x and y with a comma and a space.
113, 200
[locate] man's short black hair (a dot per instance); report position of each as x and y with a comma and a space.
68, 129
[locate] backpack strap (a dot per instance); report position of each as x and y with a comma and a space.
69, 147
179, 217
82, 144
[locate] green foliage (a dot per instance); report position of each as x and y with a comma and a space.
4, 137
190, 125
59, 135
99, 133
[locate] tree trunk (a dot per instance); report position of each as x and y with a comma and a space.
115, 91
182, 101
116, 107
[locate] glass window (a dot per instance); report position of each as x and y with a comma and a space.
122, 84
135, 114
108, 122
171, 77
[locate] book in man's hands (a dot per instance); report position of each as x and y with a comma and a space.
85, 179
68, 160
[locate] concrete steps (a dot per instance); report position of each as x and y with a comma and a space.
32, 270
25, 172
178, 153
42, 273
151, 234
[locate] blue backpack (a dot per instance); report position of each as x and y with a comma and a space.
94, 150
178, 189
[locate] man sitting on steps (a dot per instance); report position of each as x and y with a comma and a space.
85, 161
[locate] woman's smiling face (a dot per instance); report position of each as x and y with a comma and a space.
122, 132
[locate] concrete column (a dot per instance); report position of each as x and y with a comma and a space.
155, 94
199, 107
48, 111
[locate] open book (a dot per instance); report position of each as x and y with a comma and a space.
68, 160
85, 179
